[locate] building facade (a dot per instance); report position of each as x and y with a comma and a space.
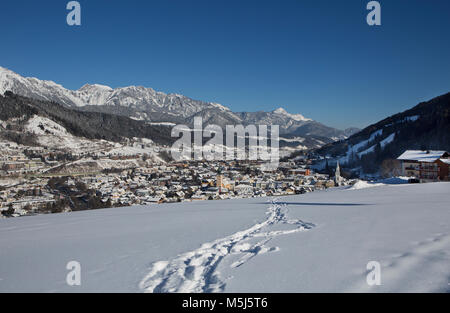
427, 166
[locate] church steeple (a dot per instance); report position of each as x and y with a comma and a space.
337, 175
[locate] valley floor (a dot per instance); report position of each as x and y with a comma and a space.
316, 242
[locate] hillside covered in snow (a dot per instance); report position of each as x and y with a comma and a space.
60, 126
423, 127
317, 242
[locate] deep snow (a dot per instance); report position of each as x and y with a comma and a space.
319, 241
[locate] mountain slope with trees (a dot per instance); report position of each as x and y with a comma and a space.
90, 125
424, 127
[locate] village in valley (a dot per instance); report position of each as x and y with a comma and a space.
37, 180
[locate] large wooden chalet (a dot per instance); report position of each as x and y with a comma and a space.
427, 166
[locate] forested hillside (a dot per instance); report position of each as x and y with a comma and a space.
425, 126
91, 125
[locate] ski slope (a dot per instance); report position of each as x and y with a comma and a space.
316, 242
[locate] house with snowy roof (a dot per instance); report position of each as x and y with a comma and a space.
425, 165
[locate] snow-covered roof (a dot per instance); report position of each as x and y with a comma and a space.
446, 161
421, 156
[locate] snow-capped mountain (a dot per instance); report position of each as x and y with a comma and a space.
139, 98
37, 89
146, 104
295, 117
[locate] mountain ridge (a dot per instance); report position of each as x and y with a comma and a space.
142, 103
89, 125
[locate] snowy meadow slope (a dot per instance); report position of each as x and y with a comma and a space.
319, 241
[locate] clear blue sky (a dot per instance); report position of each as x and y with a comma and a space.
318, 58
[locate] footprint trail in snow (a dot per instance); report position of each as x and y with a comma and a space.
195, 271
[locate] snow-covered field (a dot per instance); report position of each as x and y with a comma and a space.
319, 241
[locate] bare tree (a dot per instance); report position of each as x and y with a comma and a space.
390, 168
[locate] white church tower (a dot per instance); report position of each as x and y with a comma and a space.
337, 175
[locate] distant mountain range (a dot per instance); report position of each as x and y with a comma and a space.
19, 110
101, 113
155, 108
424, 127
